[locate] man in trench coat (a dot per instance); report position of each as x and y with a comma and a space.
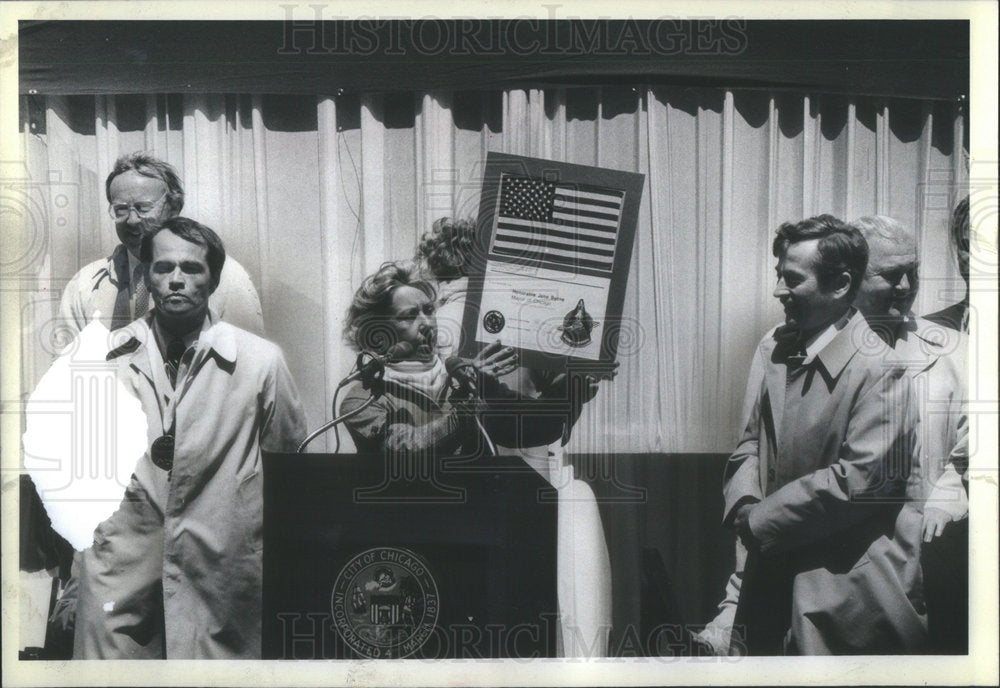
819, 475
935, 357
176, 571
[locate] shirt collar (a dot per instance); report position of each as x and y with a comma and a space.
163, 339
819, 341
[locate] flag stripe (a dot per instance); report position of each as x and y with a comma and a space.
600, 236
585, 204
542, 236
574, 249
574, 201
592, 192
583, 221
586, 213
554, 258
575, 218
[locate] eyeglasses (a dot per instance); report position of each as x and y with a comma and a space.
121, 211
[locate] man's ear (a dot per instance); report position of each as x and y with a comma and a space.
842, 285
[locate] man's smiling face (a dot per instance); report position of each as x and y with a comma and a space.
138, 205
890, 285
810, 304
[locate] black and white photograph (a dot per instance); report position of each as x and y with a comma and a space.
527, 344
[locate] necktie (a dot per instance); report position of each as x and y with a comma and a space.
140, 300
796, 358
789, 347
175, 350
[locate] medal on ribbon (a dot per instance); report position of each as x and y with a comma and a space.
162, 452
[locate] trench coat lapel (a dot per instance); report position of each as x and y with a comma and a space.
775, 377
136, 335
835, 356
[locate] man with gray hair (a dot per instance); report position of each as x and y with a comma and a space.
143, 192
817, 481
935, 357
937, 504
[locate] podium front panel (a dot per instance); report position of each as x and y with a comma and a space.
367, 559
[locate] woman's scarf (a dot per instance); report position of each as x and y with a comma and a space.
427, 377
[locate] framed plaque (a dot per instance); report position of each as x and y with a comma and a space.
555, 245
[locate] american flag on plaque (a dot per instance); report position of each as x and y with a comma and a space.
558, 240
558, 225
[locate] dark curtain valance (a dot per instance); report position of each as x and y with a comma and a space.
913, 59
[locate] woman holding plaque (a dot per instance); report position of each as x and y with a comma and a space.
415, 409
535, 428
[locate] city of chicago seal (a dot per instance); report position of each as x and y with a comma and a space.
493, 322
385, 603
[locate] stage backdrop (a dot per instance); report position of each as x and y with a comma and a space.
312, 193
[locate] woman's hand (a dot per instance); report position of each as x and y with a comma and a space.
496, 360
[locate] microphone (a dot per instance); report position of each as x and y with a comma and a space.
369, 372
375, 365
463, 371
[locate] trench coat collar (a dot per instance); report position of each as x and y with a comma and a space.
217, 338
938, 339
856, 334
920, 343
829, 361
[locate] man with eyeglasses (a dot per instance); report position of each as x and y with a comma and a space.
143, 192
935, 357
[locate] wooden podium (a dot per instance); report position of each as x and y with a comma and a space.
370, 558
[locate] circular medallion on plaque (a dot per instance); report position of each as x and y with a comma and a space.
493, 322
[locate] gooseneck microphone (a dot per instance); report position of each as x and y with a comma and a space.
371, 367
462, 371
370, 370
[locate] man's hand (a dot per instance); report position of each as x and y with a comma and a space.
742, 523
934, 522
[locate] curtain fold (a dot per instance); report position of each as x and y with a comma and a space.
373, 190
311, 194
335, 281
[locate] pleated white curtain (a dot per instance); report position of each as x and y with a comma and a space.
311, 194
